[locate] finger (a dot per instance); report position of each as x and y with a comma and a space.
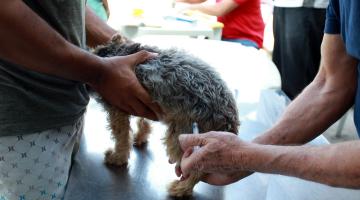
190, 140
125, 108
224, 179
142, 110
178, 171
182, 178
193, 162
218, 179
145, 98
188, 152
140, 57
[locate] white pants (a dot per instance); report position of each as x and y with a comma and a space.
36, 166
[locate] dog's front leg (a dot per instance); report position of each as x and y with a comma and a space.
144, 129
119, 123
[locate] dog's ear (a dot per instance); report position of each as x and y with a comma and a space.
132, 48
118, 39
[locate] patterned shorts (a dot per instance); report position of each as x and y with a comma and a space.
36, 166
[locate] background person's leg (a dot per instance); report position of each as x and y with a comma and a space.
298, 34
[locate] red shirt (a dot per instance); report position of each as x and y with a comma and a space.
244, 22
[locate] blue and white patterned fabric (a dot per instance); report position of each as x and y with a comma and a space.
36, 166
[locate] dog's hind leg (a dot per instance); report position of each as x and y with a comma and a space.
119, 123
185, 187
144, 129
173, 149
179, 188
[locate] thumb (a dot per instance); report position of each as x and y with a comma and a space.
140, 57
190, 140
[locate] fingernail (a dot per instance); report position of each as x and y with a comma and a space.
153, 54
182, 136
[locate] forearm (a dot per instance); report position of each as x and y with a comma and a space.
324, 101
33, 44
207, 9
309, 115
219, 9
97, 31
335, 165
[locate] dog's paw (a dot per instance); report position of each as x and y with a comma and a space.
142, 135
114, 158
180, 189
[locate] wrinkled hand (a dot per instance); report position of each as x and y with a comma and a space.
217, 157
118, 85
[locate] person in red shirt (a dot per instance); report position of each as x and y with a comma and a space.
242, 19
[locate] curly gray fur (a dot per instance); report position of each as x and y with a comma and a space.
185, 87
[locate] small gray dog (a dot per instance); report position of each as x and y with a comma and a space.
187, 89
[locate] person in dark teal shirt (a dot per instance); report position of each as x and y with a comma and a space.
100, 7
226, 159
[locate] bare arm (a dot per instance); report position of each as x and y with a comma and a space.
335, 165
224, 153
317, 107
324, 101
43, 50
30, 47
97, 31
225, 158
218, 9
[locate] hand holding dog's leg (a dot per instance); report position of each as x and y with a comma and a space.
216, 157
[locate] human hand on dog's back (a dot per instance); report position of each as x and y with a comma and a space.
219, 157
118, 85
